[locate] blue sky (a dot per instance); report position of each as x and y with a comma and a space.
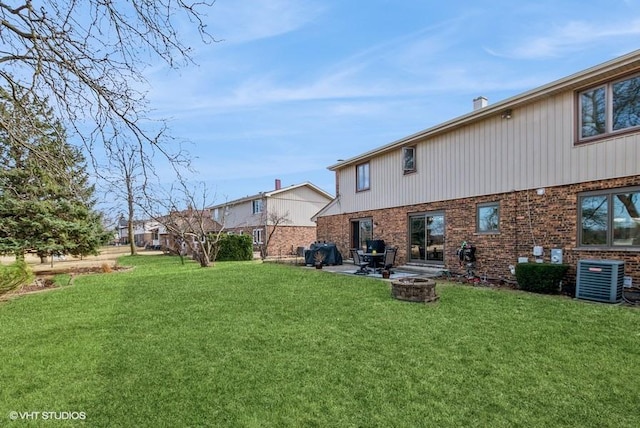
295, 85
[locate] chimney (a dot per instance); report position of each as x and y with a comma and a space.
480, 102
278, 184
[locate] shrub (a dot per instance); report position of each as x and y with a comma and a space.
540, 277
14, 275
235, 248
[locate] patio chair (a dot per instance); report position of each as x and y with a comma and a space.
389, 259
358, 260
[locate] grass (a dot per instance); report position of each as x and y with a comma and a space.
247, 344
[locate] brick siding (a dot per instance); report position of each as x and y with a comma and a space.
285, 240
526, 219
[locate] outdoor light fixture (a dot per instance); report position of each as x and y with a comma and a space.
506, 114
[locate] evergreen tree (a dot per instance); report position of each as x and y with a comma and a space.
46, 200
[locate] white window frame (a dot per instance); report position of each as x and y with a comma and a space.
257, 236
257, 206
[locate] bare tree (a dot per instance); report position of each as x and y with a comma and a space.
129, 174
87, 57
122, 178
272, 220
192, 230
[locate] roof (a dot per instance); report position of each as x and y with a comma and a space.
189, 220
590, 76
275, 192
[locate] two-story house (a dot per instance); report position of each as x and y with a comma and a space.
554, 168
279, 220
181, 231
145, 232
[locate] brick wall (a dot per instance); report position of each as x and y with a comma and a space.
286, 239
526, 219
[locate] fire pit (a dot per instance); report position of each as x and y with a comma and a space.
414, 289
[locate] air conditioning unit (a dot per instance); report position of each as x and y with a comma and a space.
600, 280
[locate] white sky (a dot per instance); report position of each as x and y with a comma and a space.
297, 84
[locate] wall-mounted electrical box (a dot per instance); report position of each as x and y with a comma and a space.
556, 256
537, 251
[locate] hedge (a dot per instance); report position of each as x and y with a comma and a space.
540, 277
235, 248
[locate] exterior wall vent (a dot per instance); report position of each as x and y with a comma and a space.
600, 280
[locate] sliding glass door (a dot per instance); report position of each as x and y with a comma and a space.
426, 237
361, 231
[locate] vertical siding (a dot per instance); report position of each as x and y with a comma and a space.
299, 205
239, 215
535, 148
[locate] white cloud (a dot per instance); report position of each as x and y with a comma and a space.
572, 36
239, 21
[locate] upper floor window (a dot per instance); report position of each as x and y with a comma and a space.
257, 206
488, 218
408, 159
611, 107
610, 218
362, 177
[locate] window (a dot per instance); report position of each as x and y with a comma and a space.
610, 108
488, 218
361, 231
257, 236
257, 206
610, 218
408, 159
426, 237
362, 177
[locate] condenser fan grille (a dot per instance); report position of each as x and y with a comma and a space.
600, 280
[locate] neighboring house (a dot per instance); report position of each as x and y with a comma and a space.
557, 167
285, 211
145, 232
176, 228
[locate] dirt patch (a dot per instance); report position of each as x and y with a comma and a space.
104, 262
107, 256
40, 284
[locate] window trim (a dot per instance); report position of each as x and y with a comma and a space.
360, 188
412, 169
358, 222
608, 113
258, 233
257, 206
424, 215
479, 206
609, 244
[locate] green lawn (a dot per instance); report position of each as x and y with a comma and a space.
249, 344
